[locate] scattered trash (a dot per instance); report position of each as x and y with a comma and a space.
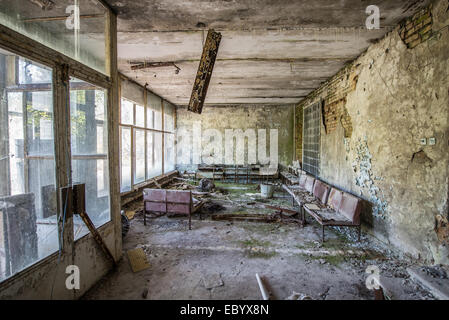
211, 281
435, 272
206, 185
182, 186
130, 214
246, 217
125, 224
212, 207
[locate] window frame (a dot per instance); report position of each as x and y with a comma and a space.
134, 127
312, 164
64, 67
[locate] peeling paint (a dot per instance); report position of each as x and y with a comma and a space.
365, 178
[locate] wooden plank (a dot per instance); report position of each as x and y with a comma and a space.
138, 260
85, 217
204, 73
282, 210
146, 65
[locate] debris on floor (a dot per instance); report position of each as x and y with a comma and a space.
138, 260
247, 217
435, 272
212, 207
206, 185
299, 296
218, 258
130, 214
125, 224
433, 279
211, 281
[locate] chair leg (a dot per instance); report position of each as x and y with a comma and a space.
144, 217
190, 221
323, 235
360, 231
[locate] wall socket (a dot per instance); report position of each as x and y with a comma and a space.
424, 142
432, 141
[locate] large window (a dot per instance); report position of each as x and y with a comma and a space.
147, 141
169, 137
312, 136
89, 139
28, 206
75, 28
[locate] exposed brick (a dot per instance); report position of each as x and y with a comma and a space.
425, 30
417, 29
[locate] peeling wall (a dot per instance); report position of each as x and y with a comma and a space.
394, 97
244, 117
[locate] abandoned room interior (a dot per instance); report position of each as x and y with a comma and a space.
224, 150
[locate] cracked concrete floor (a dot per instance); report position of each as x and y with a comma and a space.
219, 260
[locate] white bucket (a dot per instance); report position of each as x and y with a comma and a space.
267, 190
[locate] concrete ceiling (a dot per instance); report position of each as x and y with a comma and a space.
272, 52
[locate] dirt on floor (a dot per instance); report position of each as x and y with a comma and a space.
219, 259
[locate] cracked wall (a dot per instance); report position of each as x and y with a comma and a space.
395, 96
